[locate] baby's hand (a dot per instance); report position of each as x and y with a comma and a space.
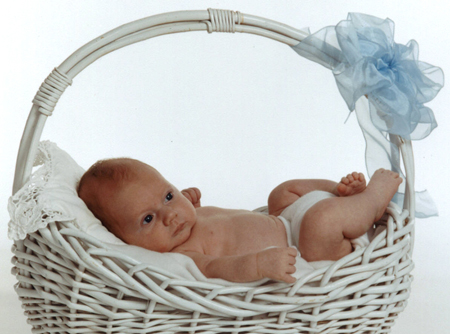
193, 195
277, 263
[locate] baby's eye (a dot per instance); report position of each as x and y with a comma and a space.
169, 197
148, 219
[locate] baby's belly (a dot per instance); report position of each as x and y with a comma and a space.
243, 232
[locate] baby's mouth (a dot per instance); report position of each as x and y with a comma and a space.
179, 228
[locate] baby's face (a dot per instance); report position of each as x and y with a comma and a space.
149, 212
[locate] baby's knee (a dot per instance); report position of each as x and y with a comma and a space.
318, 223
280, 198
322, 213
321, 237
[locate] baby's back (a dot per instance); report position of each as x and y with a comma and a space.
226, 232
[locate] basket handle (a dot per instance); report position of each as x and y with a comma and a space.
211, 20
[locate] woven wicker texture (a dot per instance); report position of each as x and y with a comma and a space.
70, 282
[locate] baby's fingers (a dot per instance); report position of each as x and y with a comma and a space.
292, 260
196, 193
288, 278
290, 269
292, 251
192, 194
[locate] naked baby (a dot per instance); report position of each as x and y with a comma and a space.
136, 203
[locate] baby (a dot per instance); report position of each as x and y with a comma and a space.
136, 203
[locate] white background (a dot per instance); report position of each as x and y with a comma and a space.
231, 114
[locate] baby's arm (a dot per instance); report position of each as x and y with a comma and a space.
273, 263
193, 195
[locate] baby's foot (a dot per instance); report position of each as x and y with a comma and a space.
351, 184
382, 186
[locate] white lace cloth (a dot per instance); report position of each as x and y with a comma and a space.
33, 206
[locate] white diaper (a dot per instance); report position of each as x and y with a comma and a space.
292, 217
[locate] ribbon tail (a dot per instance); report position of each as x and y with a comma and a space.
425, 206
384, 153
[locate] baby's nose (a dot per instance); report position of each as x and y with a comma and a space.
170, 214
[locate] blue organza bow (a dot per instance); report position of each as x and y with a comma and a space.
365, 60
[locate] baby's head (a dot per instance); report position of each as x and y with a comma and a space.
136, 203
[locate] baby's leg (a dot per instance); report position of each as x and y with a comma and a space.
288, 192
329, 225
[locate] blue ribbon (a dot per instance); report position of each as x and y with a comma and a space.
365, 60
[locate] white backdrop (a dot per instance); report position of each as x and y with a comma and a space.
231, 114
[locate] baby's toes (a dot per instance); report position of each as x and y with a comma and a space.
397, 178
345, 180
360, 178
342, 189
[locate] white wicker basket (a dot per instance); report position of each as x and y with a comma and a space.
69, 282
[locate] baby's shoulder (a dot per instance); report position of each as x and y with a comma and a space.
208, 211
215, 211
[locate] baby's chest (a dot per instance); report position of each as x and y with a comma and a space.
241, 232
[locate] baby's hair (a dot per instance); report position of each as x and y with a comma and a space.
116, 170
113, 171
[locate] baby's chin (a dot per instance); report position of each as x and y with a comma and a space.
184, 233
